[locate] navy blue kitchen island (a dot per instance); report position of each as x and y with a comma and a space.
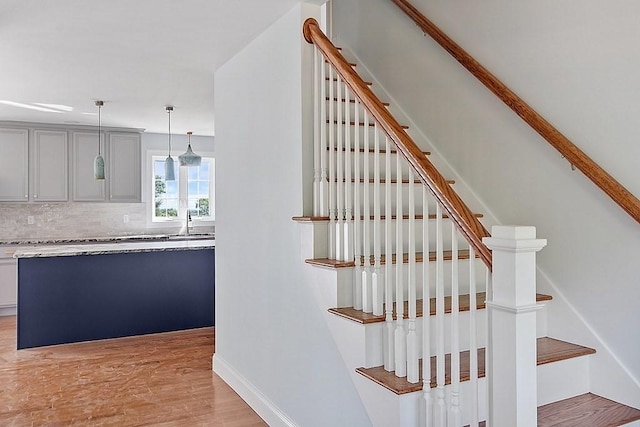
110, 291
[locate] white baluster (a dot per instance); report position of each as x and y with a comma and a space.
317, 101
473, 343
389, 360
412, 338
348, 227
377, 282
324, 178
332, 170
454, 418
367, 289
400, 334
357, 196
441, 409
340, 178
426, 312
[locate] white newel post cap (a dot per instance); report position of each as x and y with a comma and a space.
514, 238
514, 250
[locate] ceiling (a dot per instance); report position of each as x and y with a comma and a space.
138, 56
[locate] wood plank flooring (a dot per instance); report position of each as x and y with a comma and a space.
152, 380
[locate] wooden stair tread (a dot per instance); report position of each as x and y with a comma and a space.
351, 101
401, 386
352, 123
335, 79
586, 410
382, 217
360, 316
393, 181
381, 151
553, 350
332, 263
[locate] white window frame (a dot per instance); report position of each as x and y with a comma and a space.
179, 221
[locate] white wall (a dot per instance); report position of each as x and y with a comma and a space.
576, 63
272, 342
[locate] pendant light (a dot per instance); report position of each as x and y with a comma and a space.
169, 172
98, 163
189, 158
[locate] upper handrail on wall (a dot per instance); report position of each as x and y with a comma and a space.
623, 197
457, 210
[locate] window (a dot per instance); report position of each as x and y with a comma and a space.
193, 187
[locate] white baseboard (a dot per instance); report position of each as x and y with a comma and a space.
269, 412
8, 310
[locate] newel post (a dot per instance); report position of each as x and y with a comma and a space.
511, 358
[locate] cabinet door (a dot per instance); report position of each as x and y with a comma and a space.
14, 165
85, 187
8, 282
50, 166
124, 167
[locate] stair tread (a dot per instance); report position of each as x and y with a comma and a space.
360, 316
393, 181
381, 151
351, 100
382, 217
335, 79
352, 123
332, 263
398, 385
586, 410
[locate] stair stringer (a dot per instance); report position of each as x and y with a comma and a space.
608, 377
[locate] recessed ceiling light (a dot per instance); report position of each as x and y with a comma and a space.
30, 107
56, 106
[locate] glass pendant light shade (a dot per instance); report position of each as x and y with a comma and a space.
98, 162
189, 158
169, 171
98, 167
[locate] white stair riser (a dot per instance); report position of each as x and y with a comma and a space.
360, 158
431, 224
463, 277
563, 379
374, 354
556, 381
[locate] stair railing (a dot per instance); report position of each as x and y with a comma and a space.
390, 218
574, 155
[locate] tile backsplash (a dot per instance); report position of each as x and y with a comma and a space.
73, 220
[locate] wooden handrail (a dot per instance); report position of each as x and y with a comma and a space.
574, 155
459, 213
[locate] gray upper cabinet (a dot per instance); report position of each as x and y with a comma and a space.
54, 163
124, 167
50, 166
85, 188
14, 165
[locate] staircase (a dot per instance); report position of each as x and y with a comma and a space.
389, 233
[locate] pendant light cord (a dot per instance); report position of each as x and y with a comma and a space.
169, 111
99, 128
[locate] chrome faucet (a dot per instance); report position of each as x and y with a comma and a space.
188, 220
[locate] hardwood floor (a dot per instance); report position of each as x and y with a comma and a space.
153, 380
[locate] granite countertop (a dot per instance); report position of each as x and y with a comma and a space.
111, 248
102, 239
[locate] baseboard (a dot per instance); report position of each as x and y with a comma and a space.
266, 409
8, 310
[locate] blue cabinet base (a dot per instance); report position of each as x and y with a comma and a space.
90, 297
